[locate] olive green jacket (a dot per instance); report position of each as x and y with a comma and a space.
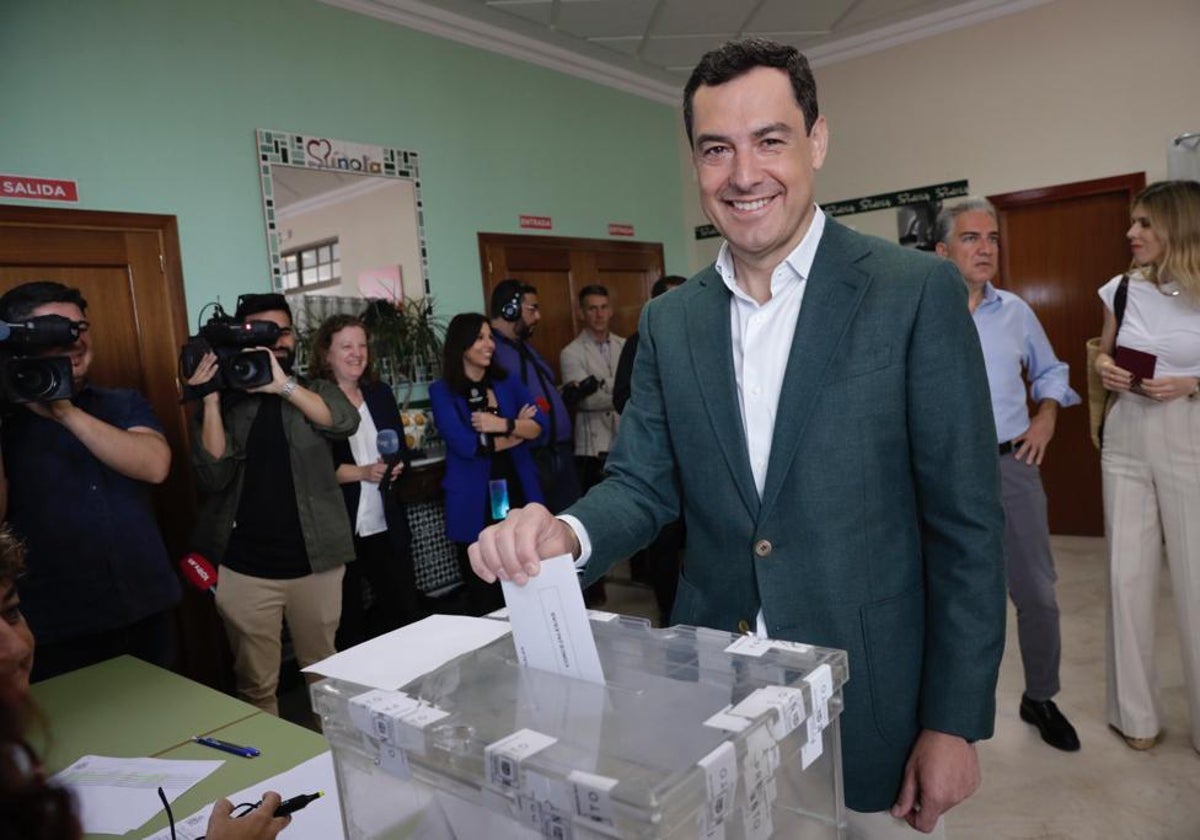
327, 534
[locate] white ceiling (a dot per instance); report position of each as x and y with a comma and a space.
649, 47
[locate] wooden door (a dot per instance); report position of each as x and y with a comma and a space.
559, 267
128, 268
1058, 246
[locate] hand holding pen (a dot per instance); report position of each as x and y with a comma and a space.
259, 824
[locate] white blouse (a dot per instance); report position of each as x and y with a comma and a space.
1166, 325
370, 519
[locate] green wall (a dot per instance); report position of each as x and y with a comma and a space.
151, 105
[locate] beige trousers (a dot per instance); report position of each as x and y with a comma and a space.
1151, 464
253, 610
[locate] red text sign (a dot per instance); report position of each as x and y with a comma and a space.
536, 222
620, 230
40, 189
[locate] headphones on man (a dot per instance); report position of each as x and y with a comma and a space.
510, 308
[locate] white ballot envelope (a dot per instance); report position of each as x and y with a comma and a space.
550, 625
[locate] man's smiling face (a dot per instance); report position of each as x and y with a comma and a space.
755, 164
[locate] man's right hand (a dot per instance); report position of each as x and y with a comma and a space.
514, 549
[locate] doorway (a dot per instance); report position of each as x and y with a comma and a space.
559, 267
1058, 246
128, 268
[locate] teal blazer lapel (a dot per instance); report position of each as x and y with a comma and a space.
711, 344
834, 290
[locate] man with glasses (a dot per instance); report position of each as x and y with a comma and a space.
99, 582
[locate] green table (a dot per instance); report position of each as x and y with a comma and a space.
126, 707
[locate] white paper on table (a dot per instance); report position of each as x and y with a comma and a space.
116, 795
550, 624
320, 820
399, 657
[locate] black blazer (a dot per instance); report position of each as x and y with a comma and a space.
382, 406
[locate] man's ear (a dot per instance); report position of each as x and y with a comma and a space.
941, 249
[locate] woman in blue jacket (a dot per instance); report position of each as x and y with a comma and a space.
382, 537
485, 416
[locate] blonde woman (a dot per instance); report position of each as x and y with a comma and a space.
1151, 454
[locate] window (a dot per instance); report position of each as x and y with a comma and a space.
312, 266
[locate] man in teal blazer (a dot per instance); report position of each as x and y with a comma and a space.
816, 406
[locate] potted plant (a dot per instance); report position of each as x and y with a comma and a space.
406, 340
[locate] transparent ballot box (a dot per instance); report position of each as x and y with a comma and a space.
696, 733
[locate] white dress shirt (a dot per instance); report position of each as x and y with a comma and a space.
762, 341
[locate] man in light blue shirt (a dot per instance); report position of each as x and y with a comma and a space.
1015, 349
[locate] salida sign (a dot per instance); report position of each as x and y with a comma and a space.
37, 189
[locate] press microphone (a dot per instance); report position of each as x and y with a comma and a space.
388, 444
477, 401
198, 572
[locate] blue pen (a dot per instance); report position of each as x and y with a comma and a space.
225, 746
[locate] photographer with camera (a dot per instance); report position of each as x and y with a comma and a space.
589, 368
79, 468
274, 518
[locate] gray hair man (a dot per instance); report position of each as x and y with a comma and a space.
1013, 341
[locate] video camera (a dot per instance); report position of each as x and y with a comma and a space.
573, 392
228, 338
25, 375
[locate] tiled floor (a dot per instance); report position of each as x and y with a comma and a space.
1105, 790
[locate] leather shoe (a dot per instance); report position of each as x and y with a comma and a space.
1055, 729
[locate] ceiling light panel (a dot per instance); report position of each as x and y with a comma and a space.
702, 17
605, 18
790, 16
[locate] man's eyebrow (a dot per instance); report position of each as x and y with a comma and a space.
757, 134
711, 138
773, 128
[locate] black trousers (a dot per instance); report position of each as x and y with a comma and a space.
395, 601
482, 598
152, 640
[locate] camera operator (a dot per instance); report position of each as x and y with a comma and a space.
589, 363
275, 519
99, 581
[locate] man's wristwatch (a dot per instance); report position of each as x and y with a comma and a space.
511, 425
289, 387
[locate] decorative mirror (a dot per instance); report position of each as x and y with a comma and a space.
350, 203
345, 222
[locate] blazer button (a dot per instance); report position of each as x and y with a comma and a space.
763, 548
743, 626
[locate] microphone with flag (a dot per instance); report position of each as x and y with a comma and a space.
198, 572
388, 444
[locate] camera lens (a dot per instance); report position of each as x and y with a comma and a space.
38, 380
249, 370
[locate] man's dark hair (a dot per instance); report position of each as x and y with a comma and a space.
505, 291
18, 303
735, 58
592, 289
665, 283
254, 304
461, 333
